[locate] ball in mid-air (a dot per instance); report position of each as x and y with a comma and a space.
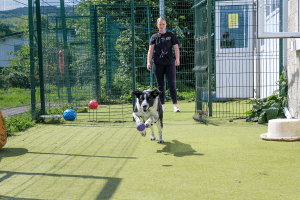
140, 126
69, 115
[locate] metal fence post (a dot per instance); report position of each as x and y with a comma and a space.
149, 36
280, 39
209, 55
31, 57
133, 50
40, 56
95, 51
57, 45
66, 50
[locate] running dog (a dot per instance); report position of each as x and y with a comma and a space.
149, 109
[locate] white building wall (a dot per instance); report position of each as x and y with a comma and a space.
8, 44
293, 61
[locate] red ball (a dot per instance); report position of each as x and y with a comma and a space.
93, 104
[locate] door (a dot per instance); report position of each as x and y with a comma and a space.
234, 49
269, 52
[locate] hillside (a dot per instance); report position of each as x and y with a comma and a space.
18, 12
16, 17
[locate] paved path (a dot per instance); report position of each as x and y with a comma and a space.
22, 109
15, 110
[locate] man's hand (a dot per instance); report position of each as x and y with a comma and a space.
149, 66
177, 62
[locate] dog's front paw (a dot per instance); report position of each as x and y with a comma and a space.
148, 123
143, 133
152, 137
161, 141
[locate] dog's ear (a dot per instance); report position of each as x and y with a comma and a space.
155, 92
137, 93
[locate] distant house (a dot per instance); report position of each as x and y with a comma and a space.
11, 43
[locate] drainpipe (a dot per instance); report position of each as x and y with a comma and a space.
162, 8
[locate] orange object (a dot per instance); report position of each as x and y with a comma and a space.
3, 133
61, 61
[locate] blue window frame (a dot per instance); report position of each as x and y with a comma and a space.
234, 26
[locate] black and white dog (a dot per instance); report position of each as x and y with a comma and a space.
148, 108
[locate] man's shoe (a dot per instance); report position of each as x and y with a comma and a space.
176, 109
163, 108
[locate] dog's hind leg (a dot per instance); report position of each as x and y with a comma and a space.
152, 137
159, 126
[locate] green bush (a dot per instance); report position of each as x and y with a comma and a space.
3, 82
271, 107
18, 80
266, 109
18, 123
187, 96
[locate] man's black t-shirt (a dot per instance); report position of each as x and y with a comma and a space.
163, 43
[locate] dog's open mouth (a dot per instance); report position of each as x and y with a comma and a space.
145, 109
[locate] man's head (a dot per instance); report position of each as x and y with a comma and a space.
161, 24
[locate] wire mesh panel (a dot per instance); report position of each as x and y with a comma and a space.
201, 59
244, 67
91, 51
90, 56
85, 59
68, 74
234, 56
15, 89
115, 48
180, 20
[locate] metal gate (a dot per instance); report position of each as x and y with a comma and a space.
240, 66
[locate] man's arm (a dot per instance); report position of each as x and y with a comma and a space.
177, 54
149, 57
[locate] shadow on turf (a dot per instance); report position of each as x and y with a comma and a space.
179, 149
93, 156
106, 193
8, 197
11, 152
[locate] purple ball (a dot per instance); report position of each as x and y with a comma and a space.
140, 126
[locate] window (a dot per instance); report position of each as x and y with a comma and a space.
234, 26
17, 47
272, 19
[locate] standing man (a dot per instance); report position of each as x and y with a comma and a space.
161, 44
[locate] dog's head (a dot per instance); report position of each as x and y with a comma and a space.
145, 98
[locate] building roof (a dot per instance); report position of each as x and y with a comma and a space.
12, 34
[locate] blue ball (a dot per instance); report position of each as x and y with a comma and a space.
69, 115
140, 126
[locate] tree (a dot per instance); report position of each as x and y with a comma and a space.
4, 29
20, 64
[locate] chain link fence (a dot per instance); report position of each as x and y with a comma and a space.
77, 51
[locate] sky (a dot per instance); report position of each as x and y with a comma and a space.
13, 4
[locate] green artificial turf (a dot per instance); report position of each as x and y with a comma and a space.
217, 160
